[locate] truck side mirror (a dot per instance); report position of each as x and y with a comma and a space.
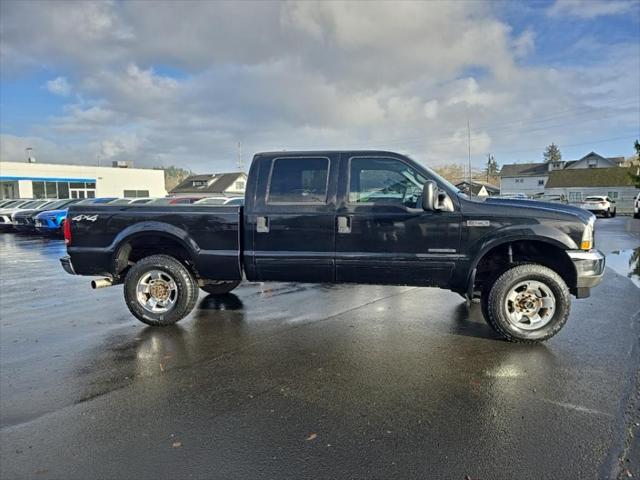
430, 195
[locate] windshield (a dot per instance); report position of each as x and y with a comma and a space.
211, 201
160, 201
55, 205
32, 204
594, 199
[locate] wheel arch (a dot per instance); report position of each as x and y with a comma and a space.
546, 251
151, 238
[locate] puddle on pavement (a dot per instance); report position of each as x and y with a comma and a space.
627, 263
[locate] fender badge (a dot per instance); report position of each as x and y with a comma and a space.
90, 218
478, 223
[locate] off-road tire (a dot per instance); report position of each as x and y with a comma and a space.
187, 290
614, 213
496, 310
220, 288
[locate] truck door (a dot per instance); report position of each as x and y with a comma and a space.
383, 234
293, 220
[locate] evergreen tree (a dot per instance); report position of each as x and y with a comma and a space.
552, 153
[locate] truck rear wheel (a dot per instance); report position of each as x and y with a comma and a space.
159, 290
221, 287
528, 303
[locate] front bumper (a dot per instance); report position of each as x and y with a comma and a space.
5, 223
589, 266
47, 226
67, 265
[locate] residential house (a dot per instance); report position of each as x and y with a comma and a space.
531, 178
478, 188
211, 185
527, 178
577, 184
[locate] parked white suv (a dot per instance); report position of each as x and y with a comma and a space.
636, 206
600, 204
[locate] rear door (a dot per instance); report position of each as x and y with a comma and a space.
293, 220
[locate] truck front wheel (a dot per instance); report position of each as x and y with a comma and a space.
220, 287
159, 290
528, 303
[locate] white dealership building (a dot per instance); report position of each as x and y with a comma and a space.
42, 180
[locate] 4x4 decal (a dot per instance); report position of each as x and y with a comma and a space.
90, 218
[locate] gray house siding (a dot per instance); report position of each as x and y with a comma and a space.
526, 184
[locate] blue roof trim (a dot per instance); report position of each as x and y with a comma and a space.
49, 179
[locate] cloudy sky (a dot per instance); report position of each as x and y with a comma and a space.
182, 83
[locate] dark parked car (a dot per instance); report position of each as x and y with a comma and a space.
345, 217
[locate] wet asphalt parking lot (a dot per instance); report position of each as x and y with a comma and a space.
311, 381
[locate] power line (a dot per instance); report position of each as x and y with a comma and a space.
517, 127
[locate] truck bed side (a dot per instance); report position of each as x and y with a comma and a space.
106, 239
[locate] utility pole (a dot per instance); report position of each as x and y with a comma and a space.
469, 144
240, 160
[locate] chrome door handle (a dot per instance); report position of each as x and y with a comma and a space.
262, 225
344, 224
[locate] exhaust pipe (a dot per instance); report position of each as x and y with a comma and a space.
101, 283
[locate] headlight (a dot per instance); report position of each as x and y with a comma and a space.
587, 236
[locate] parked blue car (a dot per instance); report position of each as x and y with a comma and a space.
50, 221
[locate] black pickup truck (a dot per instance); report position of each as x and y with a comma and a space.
368, 217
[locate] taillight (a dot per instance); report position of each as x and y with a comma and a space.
66, 229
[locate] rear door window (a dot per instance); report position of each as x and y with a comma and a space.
298, 180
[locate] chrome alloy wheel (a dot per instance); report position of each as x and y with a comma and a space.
530, 305
157, 291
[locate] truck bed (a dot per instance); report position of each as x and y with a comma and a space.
209, 236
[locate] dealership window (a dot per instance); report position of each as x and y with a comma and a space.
384, 181
135, 193
51, 189
63, 189
575, 197
298, 180
38, 189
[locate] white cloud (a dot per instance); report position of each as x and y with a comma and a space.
59, 86
297, 75
592, 8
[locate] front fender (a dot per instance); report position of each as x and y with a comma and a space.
495, 238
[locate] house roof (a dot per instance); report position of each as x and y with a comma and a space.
524, 170
216, 183
542, 169
591, 177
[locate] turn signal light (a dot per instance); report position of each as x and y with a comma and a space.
66, 229
585, 245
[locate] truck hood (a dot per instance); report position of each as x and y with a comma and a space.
537, 207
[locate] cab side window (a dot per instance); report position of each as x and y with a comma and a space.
384, 181
298, 180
